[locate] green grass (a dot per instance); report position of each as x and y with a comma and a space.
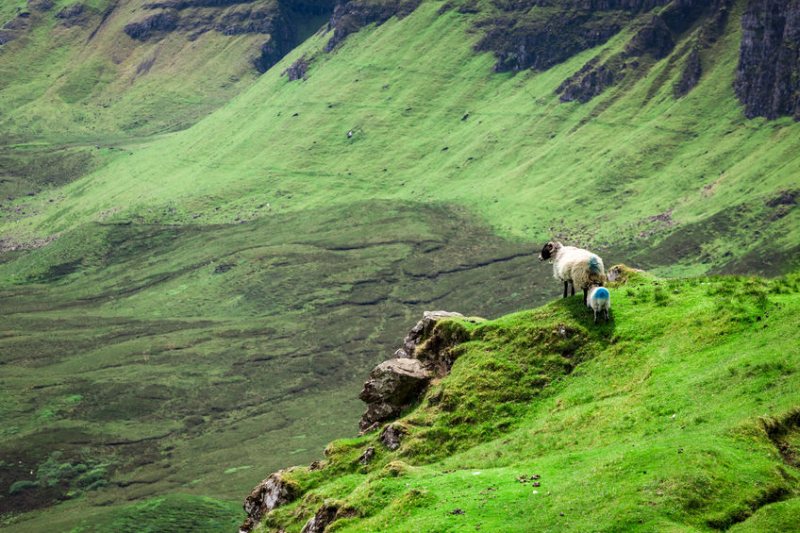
593, 174
656, 421
226, 265
174, 354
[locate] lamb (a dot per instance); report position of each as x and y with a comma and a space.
599, 300
574, 265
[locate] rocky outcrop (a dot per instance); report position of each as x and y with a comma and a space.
397, 383
73, 15
321, 519
273, 492
15, 27
541, 43
297, 70
391, 436
422, 330
690, 76
654, 40
280, 20
588, 82
281, 41
768, 75
392, 386
349, 17
151, 25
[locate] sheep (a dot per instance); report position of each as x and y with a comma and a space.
574, 265
599, 300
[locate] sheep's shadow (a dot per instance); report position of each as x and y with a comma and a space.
584, 316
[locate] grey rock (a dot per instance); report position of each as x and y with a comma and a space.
422, 330
392, 435
768, 74
323, 517
367, 456
392, 385
266, 496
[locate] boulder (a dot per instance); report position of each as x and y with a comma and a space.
266, 496
421, 331
323, 517
392, 435
392, 386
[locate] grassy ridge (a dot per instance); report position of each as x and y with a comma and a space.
667, 422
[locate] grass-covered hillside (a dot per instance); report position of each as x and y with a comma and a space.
688, 184
200, 262
682, 414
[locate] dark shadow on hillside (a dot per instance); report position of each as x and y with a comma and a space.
602, 331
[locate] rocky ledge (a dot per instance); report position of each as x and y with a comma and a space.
427, 353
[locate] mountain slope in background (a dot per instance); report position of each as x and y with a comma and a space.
197, 256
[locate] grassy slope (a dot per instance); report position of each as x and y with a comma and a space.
528, 164
133, 306
195, 349
660, 427
90, 82
72, 93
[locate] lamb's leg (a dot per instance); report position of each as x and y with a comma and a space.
566, 285
607, 317
595, 315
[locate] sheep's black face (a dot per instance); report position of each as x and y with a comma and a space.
547, 251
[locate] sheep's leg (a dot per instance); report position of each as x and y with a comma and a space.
585, 294
573, 287
566, 285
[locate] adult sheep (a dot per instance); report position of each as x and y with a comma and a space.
574, 265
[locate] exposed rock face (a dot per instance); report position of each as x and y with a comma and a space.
422, 330
281, 42
655, 39
279, 20
297, 70
522, 36
324, 516
164, 21
588, 82
392, 435
392, 386
768, 75
367, 456
266, 496
349, 17
540, 45
397, 383
692, 71
41, 5
72, 15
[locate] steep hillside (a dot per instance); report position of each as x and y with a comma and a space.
202, 253
410, 111
679, 415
